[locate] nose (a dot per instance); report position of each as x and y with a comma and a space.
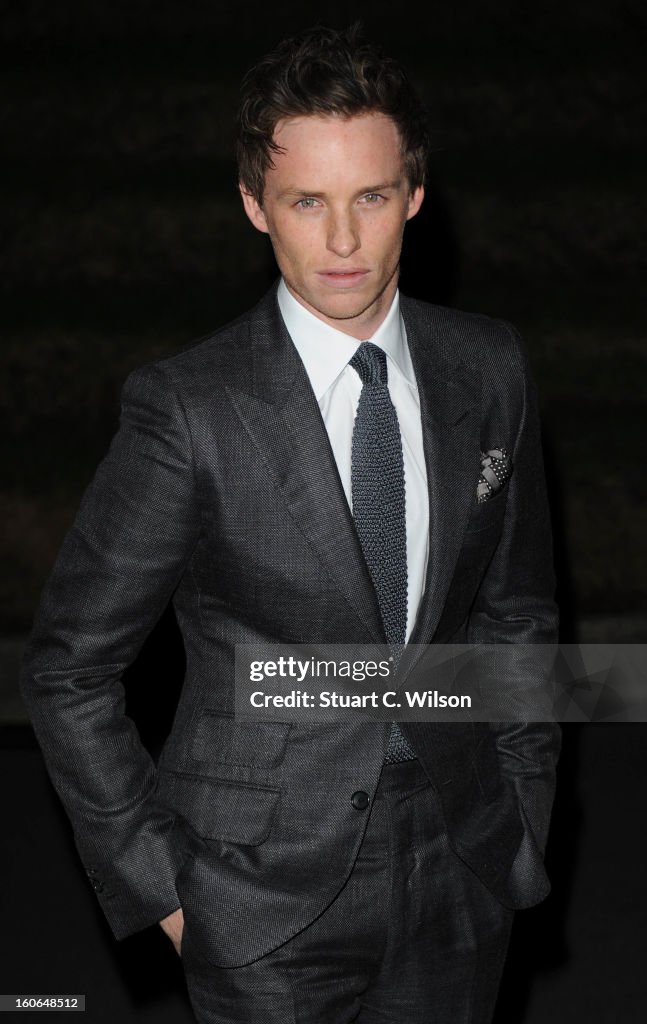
343, 236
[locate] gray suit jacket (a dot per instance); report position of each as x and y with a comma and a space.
220, 493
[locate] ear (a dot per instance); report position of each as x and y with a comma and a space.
253, 209
415, 201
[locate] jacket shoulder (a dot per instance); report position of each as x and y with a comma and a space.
200, 364
472, 338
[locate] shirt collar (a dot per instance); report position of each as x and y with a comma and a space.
325, 351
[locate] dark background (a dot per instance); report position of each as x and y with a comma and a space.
123, 239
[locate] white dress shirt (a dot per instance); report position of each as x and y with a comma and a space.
325, 353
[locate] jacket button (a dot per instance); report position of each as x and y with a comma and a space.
360, 800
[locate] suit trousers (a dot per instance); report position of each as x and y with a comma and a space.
414, 937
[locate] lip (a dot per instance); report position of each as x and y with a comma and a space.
345, 278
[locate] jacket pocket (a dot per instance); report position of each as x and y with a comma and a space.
221, 739
488, 514
215, 809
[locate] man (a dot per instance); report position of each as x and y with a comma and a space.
327, 469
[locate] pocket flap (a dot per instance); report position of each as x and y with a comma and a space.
231, 811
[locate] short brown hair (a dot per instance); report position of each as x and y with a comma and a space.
325, 72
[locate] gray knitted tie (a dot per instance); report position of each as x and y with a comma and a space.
377, 483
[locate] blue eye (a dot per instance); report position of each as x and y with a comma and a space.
307, 203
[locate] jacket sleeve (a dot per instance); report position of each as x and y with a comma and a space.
515, 605
115, 574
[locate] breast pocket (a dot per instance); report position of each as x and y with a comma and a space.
488, 515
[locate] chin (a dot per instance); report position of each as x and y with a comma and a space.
346, 314
346, 307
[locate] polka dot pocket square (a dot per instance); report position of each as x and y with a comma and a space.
496, 470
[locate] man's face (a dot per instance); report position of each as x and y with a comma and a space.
335, 205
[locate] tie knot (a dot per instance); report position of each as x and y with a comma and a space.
370, 363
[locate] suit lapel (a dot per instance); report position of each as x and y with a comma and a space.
449, 404
271, 393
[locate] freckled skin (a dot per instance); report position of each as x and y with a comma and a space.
335, 204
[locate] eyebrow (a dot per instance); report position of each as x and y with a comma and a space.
302, 193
